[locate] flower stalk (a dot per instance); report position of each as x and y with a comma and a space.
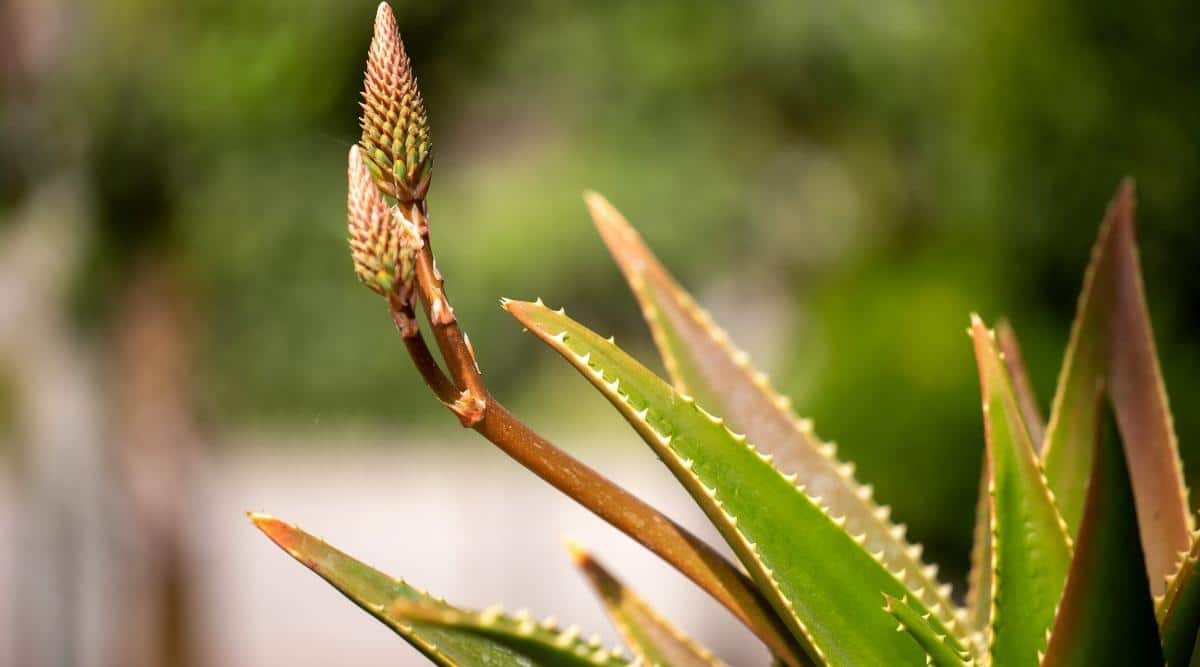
395, 152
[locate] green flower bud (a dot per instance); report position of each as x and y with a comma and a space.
395, 129
383, 244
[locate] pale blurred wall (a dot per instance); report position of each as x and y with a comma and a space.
451, 515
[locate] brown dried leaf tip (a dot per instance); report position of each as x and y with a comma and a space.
395, 129
383, 243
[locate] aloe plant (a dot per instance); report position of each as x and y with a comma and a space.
1085, 548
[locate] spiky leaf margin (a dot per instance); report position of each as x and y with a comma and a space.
544, 643
939, 649
510, 644
1106, 616
702, 362
1030, 548
1178, 610
1112, 344
1014, 361
818, 576
648, 634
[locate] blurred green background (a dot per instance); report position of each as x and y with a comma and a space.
842, 182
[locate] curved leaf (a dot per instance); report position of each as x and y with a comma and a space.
1030, 547
543, 642
1179, 609
1112, 343
1014, 361
650, 636
979, 579
1106, 616
818, 576
940, 650
426, 626
702, 362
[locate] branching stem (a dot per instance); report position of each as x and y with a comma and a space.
450, 339
465, 393
406, 324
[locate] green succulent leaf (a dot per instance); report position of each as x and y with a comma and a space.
1112, 344
448, 636
702, 362
1030, 548
1106, 616
1014, 361
545, 643
940, 650
819, 578
979, 579
1179, 609
648, 634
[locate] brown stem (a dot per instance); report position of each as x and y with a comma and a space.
406, 323
687, 553
459, 357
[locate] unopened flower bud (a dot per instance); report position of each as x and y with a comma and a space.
383, 244
395, 129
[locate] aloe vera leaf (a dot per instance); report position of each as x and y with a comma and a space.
1106, 616
1111, 342
979, 578
816, 575
1031, 550
544, 643
648, 634
939, 649
384, 597
703, 362
1178, 609
1014, 361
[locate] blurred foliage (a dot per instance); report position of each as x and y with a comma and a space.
881, 168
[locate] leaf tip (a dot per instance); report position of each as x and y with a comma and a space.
1121, 208
279, 531
516, 307
1127, 188
621, 238
978, 331
598, 205
579, 555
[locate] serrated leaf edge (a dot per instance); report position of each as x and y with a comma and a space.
1120, 217
1175, 580
980, 561
1044, 486
926, 637
1165, 605
683, 469
585, 561
429, 649
918, 575
520, 624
